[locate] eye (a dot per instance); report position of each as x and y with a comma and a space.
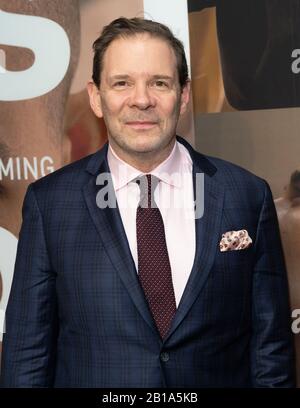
161, 84
120, 84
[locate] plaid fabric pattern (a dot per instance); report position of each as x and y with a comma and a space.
78, 317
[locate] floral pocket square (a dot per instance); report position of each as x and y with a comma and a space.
235, 240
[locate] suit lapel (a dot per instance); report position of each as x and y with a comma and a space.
111, 231
207, 234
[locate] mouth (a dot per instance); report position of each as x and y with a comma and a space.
141, 125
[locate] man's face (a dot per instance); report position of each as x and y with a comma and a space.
140, 97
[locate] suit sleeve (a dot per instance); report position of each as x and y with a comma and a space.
272, 353
29, 342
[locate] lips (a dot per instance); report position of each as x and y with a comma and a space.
141, 124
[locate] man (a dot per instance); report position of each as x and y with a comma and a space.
139, 293
288, 211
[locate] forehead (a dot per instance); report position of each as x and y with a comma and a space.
139, 54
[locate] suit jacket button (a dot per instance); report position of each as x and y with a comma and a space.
164, 356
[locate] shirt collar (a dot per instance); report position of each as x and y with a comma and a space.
167, 171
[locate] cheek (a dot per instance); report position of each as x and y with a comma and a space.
169, 111
113, 107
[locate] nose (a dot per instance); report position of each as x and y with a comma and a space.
141, 97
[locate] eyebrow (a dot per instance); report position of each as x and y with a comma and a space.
157, 76
120, 76
163, 77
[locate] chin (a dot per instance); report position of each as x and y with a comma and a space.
147, 146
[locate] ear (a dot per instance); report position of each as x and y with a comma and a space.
185, 97
95, 100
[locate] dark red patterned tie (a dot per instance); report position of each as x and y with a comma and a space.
154, 268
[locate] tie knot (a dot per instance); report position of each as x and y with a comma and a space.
147, 184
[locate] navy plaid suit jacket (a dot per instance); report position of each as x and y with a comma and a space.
77, 315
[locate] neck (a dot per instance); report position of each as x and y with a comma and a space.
144, 161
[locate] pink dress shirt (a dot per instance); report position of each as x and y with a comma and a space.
174, 198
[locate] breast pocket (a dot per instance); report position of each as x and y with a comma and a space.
236, 257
